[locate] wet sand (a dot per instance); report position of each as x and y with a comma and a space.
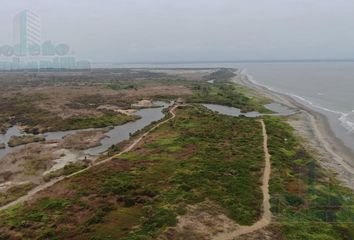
314, 127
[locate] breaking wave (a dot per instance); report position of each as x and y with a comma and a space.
345, 119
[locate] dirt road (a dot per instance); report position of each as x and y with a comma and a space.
42, 187
267, 215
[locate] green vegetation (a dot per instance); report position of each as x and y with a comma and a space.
221, 92
4, 125
14, 192
123, 86
229, 95
308, 202
222, 75
66, 171
199, 157
109, 119
196, 157
36, 163
226, 93
21, 140
25, 109
22, 110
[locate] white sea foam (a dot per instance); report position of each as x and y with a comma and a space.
345, 119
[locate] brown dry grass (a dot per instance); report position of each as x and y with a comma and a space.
189, 74
27, 162
84, 140
158, 90
69, 101
268, 233
201, 222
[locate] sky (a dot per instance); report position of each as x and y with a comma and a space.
192, 30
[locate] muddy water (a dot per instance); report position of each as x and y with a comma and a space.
278, 109
4, 138
114, 136
121, 133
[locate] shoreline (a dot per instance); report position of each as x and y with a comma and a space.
314, 127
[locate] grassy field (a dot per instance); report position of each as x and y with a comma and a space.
22, 140
23, 110
109, 119
307, 201
58, 103
15, 192
62, 101
197, 157
226, 93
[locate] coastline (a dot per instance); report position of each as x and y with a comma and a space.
314, 127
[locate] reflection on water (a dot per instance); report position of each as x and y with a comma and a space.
148, 115
61, 134
278, 109
121, 133
231, 111
114, 136
4, 138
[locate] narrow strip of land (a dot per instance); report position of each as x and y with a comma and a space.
267, 214
42, 187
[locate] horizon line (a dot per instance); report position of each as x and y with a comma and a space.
231, 61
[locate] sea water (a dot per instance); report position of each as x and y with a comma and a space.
327, 87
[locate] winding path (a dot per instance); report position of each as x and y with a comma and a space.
267, 214
263, 222
44, 186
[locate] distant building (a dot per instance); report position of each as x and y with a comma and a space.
29, 52
67, 63
26, 32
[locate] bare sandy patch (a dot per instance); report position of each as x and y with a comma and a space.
84, 139
145, 103
201, 222
27, 162
269, 233
65, 158
115, 108
73, 101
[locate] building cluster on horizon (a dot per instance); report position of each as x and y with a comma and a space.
56, 63
29, 52
26, 31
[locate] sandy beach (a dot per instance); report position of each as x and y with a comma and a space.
314, 128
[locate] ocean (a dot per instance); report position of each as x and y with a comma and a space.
326, 87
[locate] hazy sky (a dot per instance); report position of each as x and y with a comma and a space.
188, 30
